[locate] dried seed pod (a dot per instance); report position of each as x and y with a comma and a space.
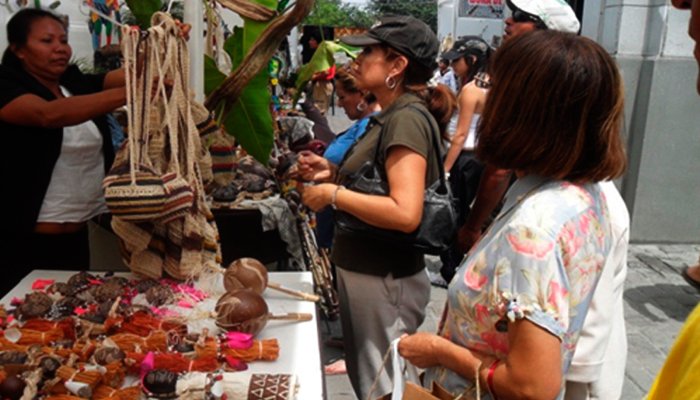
160, 383
80, 281
60, 287
107, 355
49, 366
35, 305
143, 285
246, 273
159, 295
242, 310
12, 357
108, 291
12, 388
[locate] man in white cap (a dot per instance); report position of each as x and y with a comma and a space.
597, 369
528, 15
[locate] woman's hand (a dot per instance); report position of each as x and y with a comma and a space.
318, 196
422, 349
312, 167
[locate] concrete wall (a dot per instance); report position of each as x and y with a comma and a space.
662, 114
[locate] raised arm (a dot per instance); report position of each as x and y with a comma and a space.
32, 110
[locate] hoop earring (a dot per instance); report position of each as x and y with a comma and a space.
390, 82
361, 106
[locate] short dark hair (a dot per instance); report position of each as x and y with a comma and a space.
19, 26
555, 109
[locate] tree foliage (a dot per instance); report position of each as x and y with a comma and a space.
339, 14
425, 10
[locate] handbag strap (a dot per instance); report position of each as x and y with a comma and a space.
433, 140
393, 350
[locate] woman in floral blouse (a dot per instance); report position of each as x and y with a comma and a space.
517, 303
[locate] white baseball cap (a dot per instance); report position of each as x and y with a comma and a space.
556, 15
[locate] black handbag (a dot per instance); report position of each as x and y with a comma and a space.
438, 225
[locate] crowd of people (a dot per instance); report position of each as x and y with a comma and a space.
530, 135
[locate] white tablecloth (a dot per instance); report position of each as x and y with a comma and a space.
299, 347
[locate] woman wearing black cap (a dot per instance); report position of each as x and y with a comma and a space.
383, 286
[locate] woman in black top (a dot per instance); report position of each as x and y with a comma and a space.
40, 95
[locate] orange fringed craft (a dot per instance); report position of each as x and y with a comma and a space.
155, 341
174, 362
107, 393
114, 374
261, 350
63, 397
142, 323
26, 337
83, 350
67, 325
6, 345
90, 377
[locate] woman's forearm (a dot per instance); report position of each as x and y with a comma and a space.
78, 109
32, 110
114, 79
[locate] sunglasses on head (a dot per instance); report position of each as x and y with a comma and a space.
522, 16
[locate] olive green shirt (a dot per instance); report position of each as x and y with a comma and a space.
401, 124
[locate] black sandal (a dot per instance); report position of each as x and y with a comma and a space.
692, 282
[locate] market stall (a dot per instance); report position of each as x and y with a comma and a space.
298, 341
181, 193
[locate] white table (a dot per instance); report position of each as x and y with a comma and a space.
298, 341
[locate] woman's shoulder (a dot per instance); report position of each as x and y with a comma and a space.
555, 204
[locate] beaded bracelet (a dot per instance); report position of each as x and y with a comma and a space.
489, 378
335, 195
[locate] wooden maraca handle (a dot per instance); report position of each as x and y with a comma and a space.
292, 317
295, 293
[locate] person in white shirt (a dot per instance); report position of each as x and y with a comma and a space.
598, 368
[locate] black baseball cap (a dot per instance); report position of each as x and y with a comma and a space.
467, 45
408, 35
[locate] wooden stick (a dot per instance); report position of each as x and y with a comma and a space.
295, 293
291, 317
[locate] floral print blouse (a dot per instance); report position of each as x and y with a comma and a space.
540, 260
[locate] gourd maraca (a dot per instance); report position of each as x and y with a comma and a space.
250, 273
244, 310
241, 310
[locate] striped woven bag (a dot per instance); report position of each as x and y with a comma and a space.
134, 191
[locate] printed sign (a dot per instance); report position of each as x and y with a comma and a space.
481, 9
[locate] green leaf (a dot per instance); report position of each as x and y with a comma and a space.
234, 47
322, 59
213, 77
143, 10
250, 120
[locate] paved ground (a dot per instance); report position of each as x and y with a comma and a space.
657, 301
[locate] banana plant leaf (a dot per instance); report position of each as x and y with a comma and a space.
322, 59
143, 10
249, 120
